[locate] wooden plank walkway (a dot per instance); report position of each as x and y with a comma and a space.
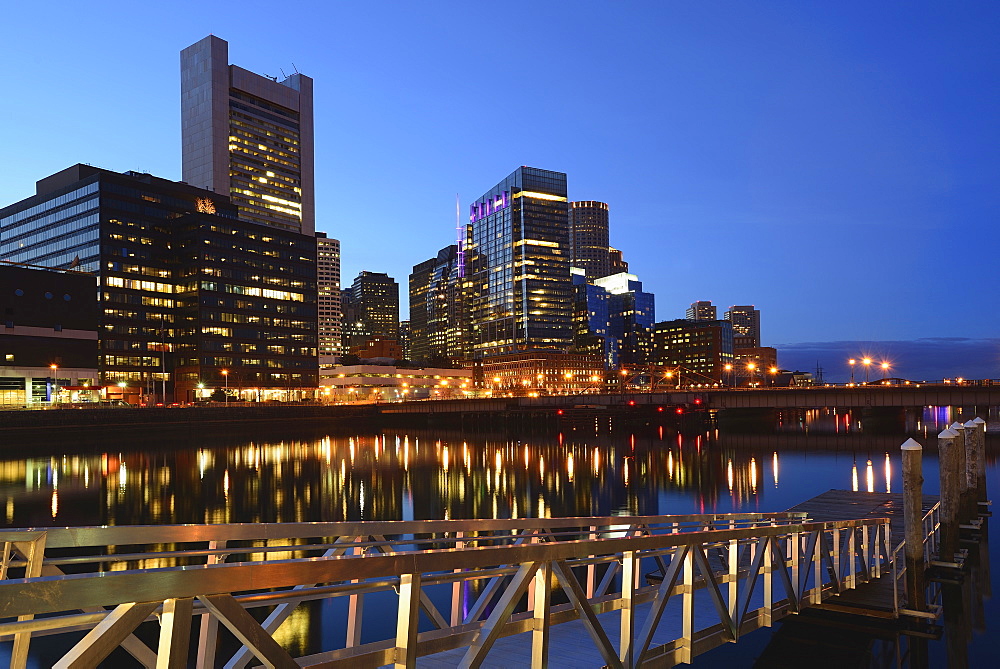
844, 504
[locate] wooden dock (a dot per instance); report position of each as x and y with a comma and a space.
874, 599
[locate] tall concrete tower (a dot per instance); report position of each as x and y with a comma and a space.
248, 136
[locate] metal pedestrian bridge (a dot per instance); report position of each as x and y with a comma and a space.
630, 591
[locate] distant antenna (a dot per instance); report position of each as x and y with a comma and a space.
460, 237
283, 75
295, 68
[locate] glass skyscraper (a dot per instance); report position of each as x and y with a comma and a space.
185, 288
522, 295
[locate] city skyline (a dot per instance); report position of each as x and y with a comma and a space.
783, 156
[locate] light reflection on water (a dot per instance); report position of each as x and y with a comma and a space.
424, 475
373, 477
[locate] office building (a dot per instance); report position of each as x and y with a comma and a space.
185, 288
374, 308
617, 264
592, 321
631, 313
746, 325
543, 372
48, 336
588, 238
695, 352
328, 298
701, 310
519, 253
248, 137
438, 315
384, 383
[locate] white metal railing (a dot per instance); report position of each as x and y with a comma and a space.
755, 568
931, 538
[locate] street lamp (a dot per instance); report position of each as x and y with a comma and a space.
750, 369
885, 370
225, 374
852, 362
52, 386
867, 362
729, 371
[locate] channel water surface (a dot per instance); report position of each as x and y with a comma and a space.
314, 475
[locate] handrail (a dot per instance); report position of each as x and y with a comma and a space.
118, 535
810, 560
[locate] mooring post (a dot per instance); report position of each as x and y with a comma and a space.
948, 446
961, 463
980, 486
913, 502
971, 508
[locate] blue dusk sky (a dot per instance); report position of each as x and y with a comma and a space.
833, 163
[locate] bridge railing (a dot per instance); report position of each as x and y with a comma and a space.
458, 584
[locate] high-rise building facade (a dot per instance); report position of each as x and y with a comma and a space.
249, 137
702, 310
522, 293
631, 313
328, 298
375, 299
185, 288
746, 325
588, 238
696, 352
438, 317
617, 263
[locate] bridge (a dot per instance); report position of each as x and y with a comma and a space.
614, 591
813, 397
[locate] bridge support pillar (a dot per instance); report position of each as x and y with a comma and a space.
748, 420
883, 420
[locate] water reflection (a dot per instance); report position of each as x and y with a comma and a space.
410, 475
418, 475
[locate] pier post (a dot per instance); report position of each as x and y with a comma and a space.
970, 507
980, 483
949, 442
913, 498
962, 460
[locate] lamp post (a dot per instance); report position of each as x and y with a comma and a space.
867, 362
885, 370
774, 375
122, 385
852, 362
729, 372
52, 386
225, 375
750, 369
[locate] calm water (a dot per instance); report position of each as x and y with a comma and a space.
319, 476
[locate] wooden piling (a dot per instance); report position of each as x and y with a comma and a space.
980, 486
961, 464
948, 446
970, 509
913, 481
